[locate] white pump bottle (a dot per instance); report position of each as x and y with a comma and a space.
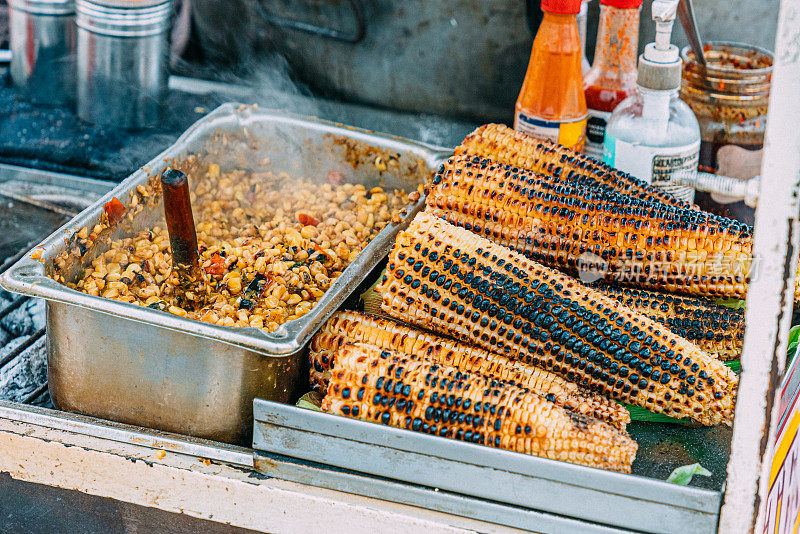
652, 134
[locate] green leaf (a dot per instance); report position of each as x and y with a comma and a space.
735, 365
642, 414
794, 334
791, 352
683, 474
370, 299
731, 303
311, 401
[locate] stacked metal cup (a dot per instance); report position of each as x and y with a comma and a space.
122, 61
42, 36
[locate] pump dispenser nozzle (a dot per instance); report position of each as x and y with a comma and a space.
664, 16
660, 65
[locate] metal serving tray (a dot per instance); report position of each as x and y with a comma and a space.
589, 495
33, 202
145, 367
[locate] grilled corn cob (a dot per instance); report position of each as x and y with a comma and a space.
423, 396
509, 146
352, 327
562, 227
447, 279
717, 330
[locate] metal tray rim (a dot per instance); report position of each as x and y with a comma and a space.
92, 185
629, 485
27, 275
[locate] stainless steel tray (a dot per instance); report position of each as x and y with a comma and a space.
141, 366
33, 202
582, 493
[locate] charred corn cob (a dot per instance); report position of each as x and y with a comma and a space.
514, 148
446, 279
717, 330
508, 146
352, 327
564, 227
424, 396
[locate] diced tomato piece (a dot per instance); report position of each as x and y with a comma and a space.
335, 178
251, 194
216, 270
307, 220
217, 267
115, 210
268, 280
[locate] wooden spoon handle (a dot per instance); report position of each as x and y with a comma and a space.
182, 238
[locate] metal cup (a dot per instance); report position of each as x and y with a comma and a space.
42, 35
123, 60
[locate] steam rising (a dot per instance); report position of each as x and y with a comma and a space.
270, 82
267, 82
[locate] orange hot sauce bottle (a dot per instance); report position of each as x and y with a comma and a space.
551, 104
612, 77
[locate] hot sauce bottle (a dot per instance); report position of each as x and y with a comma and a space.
551, 104
612, 77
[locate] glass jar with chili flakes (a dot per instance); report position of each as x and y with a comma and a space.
730, 101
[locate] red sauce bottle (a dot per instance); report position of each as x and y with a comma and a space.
612, 77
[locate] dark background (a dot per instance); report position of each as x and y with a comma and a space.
429, 70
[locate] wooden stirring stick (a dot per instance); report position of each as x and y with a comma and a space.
189, 293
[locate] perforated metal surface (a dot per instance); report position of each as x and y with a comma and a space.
23, 361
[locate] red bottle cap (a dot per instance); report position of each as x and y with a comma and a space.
622, 4
565, 7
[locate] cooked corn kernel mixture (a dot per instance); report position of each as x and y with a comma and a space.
270, 246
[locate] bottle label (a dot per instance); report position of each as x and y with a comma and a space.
569, 133
654, 165
596, 133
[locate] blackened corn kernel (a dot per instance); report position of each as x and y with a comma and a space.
517, 150
443, 237
490, 414
716, 329
550, 228
354, 327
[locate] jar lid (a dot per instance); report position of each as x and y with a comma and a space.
130, 4
43, 7
124, 18
622, 4
731, 68
731, 57
565, 7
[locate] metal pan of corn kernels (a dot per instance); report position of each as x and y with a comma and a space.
291, 214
